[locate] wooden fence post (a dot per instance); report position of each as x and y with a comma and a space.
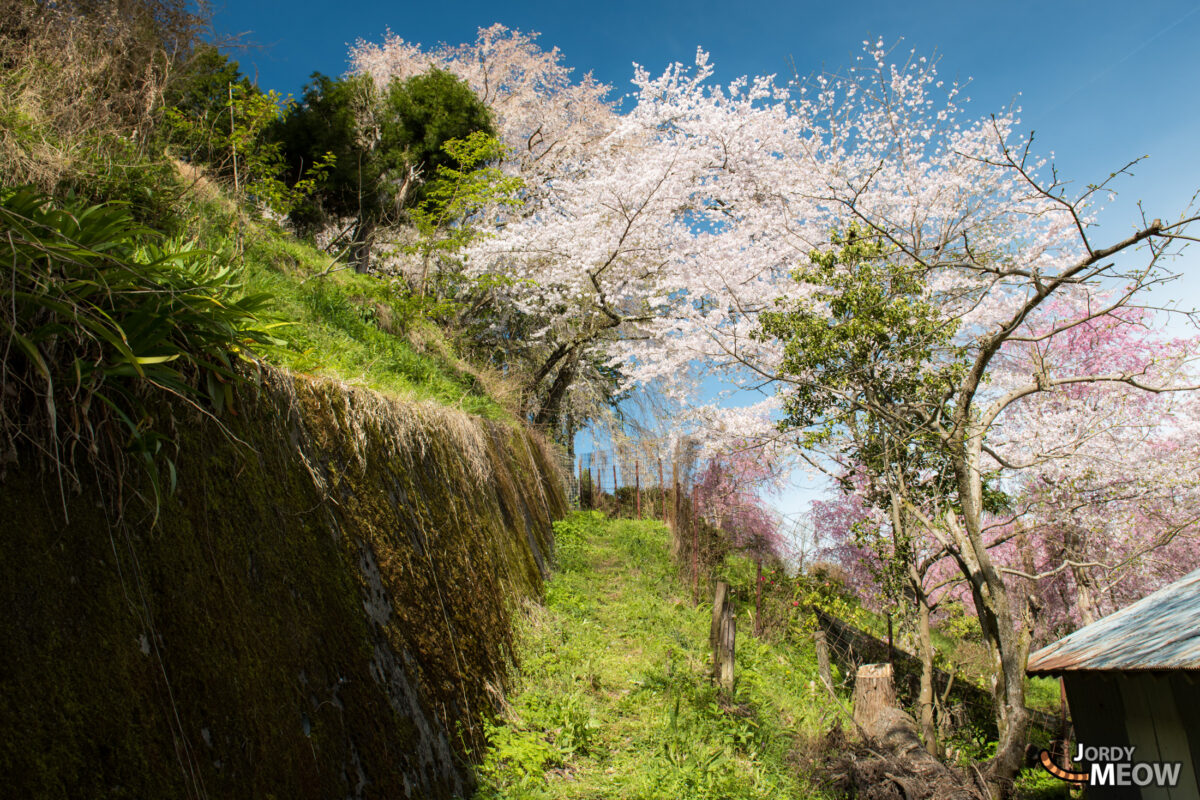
1060, 748
722, 636
720, 596
677, 535
615, 485
758, 580
728, 642
662, 493
822, 646
637, 482
891, 646
695, 550
675, 497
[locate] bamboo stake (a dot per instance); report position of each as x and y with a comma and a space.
237, 186
758, 581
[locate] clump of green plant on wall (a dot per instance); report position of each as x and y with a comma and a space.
100, 316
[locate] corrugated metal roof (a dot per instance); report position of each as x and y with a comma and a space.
1158, 632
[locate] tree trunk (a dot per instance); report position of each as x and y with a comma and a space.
662, 493
1074, 546
360, 249
560, 352
569, 443
1007, 647
548, 413
925, 694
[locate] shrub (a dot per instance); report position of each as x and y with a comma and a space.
377, 147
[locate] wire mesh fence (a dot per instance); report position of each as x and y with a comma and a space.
641, 473
965, 703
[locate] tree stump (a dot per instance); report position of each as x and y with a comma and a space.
893, 763
874, 693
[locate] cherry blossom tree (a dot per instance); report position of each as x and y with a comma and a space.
729, 496
551, 126
548, 121
656, 240
963, 206
1106, 488
1104, 491
993, 261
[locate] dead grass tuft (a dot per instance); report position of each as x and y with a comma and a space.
80, 83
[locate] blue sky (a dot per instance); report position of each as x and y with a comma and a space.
1100, 82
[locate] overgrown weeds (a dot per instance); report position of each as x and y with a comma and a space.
99, 316
350, 326
80, 84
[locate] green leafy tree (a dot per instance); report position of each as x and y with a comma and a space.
856, 362
871, 368
452, 202
196, 104
383, 144
219, 120
849, 356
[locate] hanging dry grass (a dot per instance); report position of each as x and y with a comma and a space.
368, 419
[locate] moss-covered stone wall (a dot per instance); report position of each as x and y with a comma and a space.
323, 610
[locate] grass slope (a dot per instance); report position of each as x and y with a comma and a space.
613, 699
362, 329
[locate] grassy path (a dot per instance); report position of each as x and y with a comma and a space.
613, 699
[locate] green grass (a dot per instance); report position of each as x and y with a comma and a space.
613, 698
1043, 694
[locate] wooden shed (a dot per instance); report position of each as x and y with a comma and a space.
1133, 680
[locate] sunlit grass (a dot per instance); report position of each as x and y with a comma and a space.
613, 698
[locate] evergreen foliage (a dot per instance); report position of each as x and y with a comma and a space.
383, 145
